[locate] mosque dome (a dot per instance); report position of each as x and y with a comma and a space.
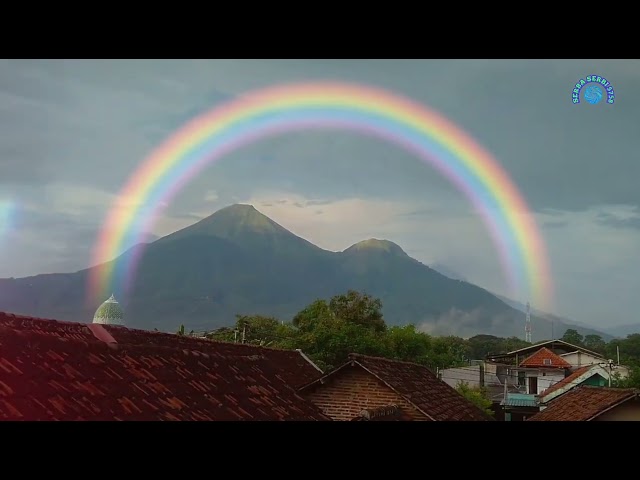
110, 313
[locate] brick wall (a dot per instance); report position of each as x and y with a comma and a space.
352, 390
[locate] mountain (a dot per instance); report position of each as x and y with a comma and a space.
238, 261
558, 324
623, 330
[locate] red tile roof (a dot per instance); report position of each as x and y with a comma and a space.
390, 413
537, 360
52, 370
295, 368
567, 381
419, 386
584, 403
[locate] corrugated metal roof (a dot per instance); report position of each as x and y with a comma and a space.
520, 400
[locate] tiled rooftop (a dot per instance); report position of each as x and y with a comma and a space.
51, 370
419, 386
545, 358
584, 403
567, 381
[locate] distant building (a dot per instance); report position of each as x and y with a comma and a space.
109, 313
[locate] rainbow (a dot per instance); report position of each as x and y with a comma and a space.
329, 105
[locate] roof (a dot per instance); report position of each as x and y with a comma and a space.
110, 312
545, 358
295, 367
519, 400
417, 385
572, 381
551, 344
51, 370
389, 413
584, 403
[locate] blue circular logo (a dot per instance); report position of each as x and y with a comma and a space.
593, 94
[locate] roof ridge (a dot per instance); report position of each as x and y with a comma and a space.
392, 360
138, 330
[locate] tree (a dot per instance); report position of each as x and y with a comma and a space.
476, 395
632, 381
408, 344
595, 343
573, 337
358, 308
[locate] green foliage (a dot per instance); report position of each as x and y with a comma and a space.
632, 381
181, 330
573, 337
328, 330
360, 309
476, 395
595, 343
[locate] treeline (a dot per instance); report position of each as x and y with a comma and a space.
328, 330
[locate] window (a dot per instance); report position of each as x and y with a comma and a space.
521, 379
547, 361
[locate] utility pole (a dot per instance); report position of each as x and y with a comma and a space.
527, 325
482, 375
244, 331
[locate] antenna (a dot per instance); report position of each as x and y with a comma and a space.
527, 325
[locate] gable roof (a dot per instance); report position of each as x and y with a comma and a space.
576, 378
545, 358
51, 370
585, 403
417, 385
555, 344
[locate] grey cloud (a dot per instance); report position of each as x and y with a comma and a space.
91, 123
613, 221
555, 224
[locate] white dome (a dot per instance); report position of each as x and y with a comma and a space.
109, 313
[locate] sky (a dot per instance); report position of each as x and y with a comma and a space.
73, 131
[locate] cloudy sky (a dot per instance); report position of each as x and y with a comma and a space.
71, 132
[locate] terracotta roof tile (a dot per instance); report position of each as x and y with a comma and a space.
418, 385
567, 381
545, 358
295, 369
584, 403
52, 370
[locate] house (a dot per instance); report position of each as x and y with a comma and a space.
558, 347
579, 359
482, 376
52, 370
541, 370
535, 373
587, 403
593, 375
370, 387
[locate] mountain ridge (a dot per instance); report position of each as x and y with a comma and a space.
239, 261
